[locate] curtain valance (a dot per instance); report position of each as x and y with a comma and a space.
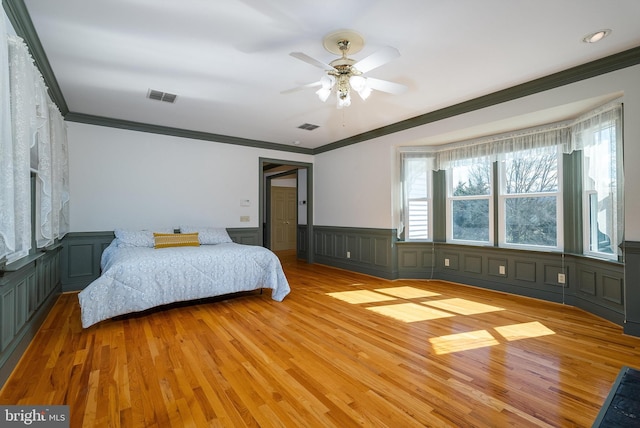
568, 136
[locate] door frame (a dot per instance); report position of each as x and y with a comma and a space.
262, 195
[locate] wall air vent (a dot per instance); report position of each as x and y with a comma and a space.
308, 126
161, 96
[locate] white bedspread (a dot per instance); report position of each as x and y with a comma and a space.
138, 278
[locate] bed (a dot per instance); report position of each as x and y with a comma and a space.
138, 273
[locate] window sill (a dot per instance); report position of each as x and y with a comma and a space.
28, 260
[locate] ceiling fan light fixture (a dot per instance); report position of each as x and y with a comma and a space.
344, 74
360, 85
344, 99
323, 93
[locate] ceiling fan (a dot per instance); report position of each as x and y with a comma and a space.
344, 74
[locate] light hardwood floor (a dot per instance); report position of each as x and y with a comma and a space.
341, 350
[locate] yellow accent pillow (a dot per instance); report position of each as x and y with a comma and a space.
164, 240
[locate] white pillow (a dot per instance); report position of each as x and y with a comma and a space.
137, 238
208, 235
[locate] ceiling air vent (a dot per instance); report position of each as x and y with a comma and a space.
308, 126
161, 96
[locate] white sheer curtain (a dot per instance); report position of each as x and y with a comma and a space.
7, 180
494, 148
33, 139
44, 228
23, 119
570, 135
599, 135
586, 128
59, 173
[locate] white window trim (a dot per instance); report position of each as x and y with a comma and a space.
428, 158
449, 212
502, 197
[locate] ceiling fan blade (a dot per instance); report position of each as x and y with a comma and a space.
306, 58
300, 88
377, 59
386, 86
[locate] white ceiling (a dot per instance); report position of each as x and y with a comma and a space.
228, 60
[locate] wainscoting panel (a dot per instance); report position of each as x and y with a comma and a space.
450, 260
587, 282
245, 235
525, 271
416, 260
551, 273
497, 266
28, 289
632, 291
370, 251
81, 254
303, 241
594, 285
473, 264
612, 289
600, 286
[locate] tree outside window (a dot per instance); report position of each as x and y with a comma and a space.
530, 198
469, 202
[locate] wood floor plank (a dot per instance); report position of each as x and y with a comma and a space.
342, 350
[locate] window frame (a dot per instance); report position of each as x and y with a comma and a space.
586, 202
503, 196
449, 208
406, 212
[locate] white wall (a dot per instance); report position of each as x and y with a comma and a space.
354, 186
121, 178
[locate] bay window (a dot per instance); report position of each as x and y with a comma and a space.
520, 175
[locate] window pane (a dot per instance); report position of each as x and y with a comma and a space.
472, 180
416, 173
418, 225
600, 182
526, 172
531, 221
415, 177
471, 220
600, 212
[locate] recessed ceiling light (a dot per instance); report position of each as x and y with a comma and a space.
596, 37
297, 143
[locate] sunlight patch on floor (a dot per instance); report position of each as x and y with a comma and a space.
360, 296
407, 292
524, 331
463, 306
441, 308
462, 341
410, 312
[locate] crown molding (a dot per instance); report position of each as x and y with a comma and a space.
595, 68
21, 21
178, 132
19, 17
